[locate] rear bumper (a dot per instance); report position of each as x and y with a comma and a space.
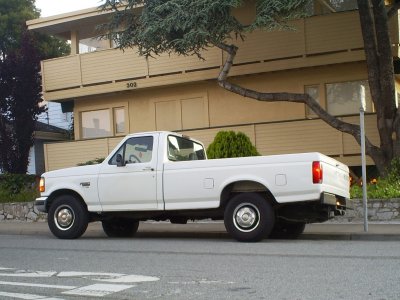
336, 204
314, 211
40, 204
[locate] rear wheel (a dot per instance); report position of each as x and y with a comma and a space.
68, 217
249, 217
120, 227
287, 230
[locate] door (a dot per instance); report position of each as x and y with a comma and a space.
130, 183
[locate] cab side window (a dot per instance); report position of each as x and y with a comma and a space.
135, 150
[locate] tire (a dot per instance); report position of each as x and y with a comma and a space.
287, 230
120, 227
68, 218
249, 217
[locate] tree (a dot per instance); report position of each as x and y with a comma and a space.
19, 105
13, 15
20, 82
187, 27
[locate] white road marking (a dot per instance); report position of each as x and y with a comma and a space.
48, 286
203, 281
26, 296
110, 277
131, 279
98, 290
89, 274
116, 282
38, 274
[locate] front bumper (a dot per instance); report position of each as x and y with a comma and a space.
40, 204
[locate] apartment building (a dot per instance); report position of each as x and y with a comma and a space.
113, 92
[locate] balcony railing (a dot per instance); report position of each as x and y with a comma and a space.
319, 40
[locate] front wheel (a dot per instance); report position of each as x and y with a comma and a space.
68, 217
249, 217
120, 227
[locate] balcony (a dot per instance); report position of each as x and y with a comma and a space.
318, 40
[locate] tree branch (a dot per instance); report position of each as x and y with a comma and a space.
306, 99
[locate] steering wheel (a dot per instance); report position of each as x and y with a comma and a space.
133, 158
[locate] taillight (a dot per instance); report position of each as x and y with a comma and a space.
41, 185
317, 173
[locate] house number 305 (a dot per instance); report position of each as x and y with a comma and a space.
131, 85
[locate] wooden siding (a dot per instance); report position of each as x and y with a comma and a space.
298, 137
270, 138
319, 40
70, 154
327, 33
269, 45
61, 73
166, 63
111, 65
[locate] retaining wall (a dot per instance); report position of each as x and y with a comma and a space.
23, 211
378, 210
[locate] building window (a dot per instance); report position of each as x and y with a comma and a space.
119, 120
103, 122
93, 44
343, 98
313, 91
96, 123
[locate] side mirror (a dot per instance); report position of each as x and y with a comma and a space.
120, 161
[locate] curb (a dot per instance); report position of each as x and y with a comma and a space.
350, 237
216, 230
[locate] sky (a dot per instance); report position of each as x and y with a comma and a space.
55, 7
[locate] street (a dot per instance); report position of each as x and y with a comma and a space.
153, 266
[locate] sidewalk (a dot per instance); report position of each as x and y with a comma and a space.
324, 231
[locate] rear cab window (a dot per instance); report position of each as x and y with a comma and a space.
183, 149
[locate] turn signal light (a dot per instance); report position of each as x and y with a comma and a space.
41, 185
317, 172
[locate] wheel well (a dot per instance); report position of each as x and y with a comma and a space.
245, 186
57, 193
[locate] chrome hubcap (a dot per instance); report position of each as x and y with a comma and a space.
64, 217
246, 217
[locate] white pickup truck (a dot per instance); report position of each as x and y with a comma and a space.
166, 176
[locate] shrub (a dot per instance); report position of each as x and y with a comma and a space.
18, 188
383, 188
92, 162
394, 170
230, 144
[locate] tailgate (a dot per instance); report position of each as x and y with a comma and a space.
336, 177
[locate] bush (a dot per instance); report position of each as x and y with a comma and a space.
230, 144
92, 162
394, 170
18, 188
382, 188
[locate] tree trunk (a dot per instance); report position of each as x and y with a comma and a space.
378, 52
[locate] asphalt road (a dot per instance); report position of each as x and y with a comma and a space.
187, 267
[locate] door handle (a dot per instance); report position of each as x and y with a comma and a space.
148, 169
